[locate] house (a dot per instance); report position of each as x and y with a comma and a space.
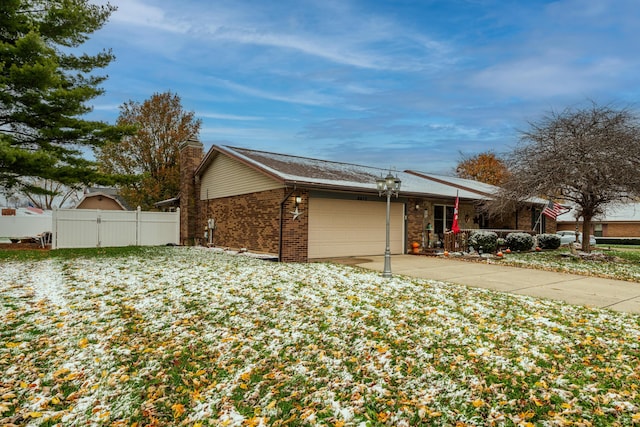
619, 220
102, 198
298, 208
168, 205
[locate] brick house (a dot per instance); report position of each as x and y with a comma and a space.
622, 220
298, 208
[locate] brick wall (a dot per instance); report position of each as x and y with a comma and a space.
191, 153
525, 221
416, 220
252, 221
621, 229
611, 229
551, 226
247, 221
295, 232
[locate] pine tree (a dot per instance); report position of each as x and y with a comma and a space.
44, 90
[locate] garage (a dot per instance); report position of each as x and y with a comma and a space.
353, 227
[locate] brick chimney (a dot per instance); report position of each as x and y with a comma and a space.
191, 153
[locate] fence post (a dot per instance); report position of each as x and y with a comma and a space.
138, 220
177, 230
54, 229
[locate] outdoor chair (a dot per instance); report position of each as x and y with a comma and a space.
46, 238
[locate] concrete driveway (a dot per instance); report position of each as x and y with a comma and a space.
579, 290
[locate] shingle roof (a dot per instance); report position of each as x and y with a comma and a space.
108, 194
103, 190
462, 183
623, 212
308, 172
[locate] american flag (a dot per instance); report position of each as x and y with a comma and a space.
552, 210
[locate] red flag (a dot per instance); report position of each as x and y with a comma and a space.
455, 227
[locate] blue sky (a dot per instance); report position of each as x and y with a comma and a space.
404, 84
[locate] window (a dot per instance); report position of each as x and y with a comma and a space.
597, 230
538, 222
482, 220
442, 219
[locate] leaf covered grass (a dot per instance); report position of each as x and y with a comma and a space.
32, 255
624, 266
185, 336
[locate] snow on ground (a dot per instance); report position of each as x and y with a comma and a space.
186, 336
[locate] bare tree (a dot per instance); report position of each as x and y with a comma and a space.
587, 157
47, 194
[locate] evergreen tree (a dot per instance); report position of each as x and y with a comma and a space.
44, 90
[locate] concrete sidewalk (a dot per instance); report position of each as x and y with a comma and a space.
579, 290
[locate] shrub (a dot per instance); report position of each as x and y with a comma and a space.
548, 241
488, 240
519, 241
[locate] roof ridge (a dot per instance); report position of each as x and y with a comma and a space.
306, 158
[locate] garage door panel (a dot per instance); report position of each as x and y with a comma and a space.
353, 228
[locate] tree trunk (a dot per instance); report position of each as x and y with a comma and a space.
586, 233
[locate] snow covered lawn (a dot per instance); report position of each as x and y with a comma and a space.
620, 268
186, 336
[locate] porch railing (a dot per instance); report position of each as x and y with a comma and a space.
460, 242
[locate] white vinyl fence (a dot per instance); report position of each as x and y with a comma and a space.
12, 226
90, 228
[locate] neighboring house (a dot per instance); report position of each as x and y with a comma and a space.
103, 199
169, 205
621, 220
298, 208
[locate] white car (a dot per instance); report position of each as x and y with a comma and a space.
567, 237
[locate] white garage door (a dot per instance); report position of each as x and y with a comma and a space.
353, 227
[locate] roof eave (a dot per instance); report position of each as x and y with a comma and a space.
354, 189
451, 184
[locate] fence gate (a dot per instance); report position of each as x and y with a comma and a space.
89, 228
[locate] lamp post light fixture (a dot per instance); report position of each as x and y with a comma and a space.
389, 186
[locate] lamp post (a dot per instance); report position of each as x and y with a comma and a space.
390, 185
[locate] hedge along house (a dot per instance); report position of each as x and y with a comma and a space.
300, 209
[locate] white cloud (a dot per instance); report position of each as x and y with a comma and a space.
548, 77
139, 14
308, 97
106, 107
336, 34
326, 48
220, 116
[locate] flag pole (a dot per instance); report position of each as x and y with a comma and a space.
538, 222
